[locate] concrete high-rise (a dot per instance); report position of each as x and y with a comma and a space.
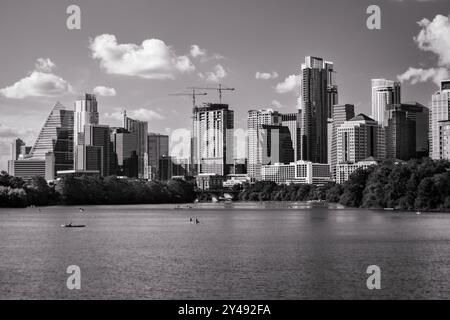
256, 119
124, 144
16, 147
158, 147
340, 114
439, 111
359, 138
212, 138
317, 94
293, 122
86, 112
384, 92
141, 130
99, 136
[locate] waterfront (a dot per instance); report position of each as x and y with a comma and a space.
238, 251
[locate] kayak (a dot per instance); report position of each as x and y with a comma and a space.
73, 225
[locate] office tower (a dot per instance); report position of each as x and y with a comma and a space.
293, 122
256, 119
141, 130
89, 158
124, 145
212, 138
165, 168
96, 135
276, 144
317, 93
53, 149
406, 131
56, 137
16, 146
86, 112
158, 147
440, 109
340, 114
384, 92
359, 138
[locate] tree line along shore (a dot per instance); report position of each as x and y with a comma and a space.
413, 185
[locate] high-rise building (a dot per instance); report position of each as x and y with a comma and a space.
293, 122
158, 147
212, 139
444, 138
256, 119
89, 158
53, 149
359, 138
317, 94
384, 92
340, 114
56, 136
440, 110
96, 135
276, 144
16, 146
141, 130
124, 145
406, 130
86, 112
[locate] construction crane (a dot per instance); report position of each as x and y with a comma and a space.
220, 88
193, 95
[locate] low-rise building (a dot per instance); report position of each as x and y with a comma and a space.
301, 171
209, 181
344, 170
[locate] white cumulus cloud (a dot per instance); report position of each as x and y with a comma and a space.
434, 36
290, 84
39, 83
218, 73
152, 59
105, 91
196, 51
266, 75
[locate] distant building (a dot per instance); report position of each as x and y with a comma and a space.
158, 147
444, 138
89, 158
439, 111
208, 181
53, 149
141, 130
124, 146
25, 152
276, 144
384, 92
406, 131
235, 179
165, 167
301, 171
344, 170
181, 167
318, 94
255, 121
340, 114
359, 138
16, 146
293, 122
86, 112
212, 138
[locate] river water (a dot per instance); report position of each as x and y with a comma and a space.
237, 251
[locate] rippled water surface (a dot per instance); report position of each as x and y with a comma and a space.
238, 251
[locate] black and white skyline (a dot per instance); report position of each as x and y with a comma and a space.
165, 46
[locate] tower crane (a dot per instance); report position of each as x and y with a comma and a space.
219, 89
193, 94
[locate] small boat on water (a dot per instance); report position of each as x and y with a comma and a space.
389, 209
70, 225
418, 212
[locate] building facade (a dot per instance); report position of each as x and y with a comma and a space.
439, 111
158, 147
301, 171
212, 138
140, 128
317, 94
384, 92
86, 112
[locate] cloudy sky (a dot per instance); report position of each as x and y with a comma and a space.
133, 53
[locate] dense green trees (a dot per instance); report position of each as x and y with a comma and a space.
414, 185
69, 190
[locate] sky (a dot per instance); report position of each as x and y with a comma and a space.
134, 53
